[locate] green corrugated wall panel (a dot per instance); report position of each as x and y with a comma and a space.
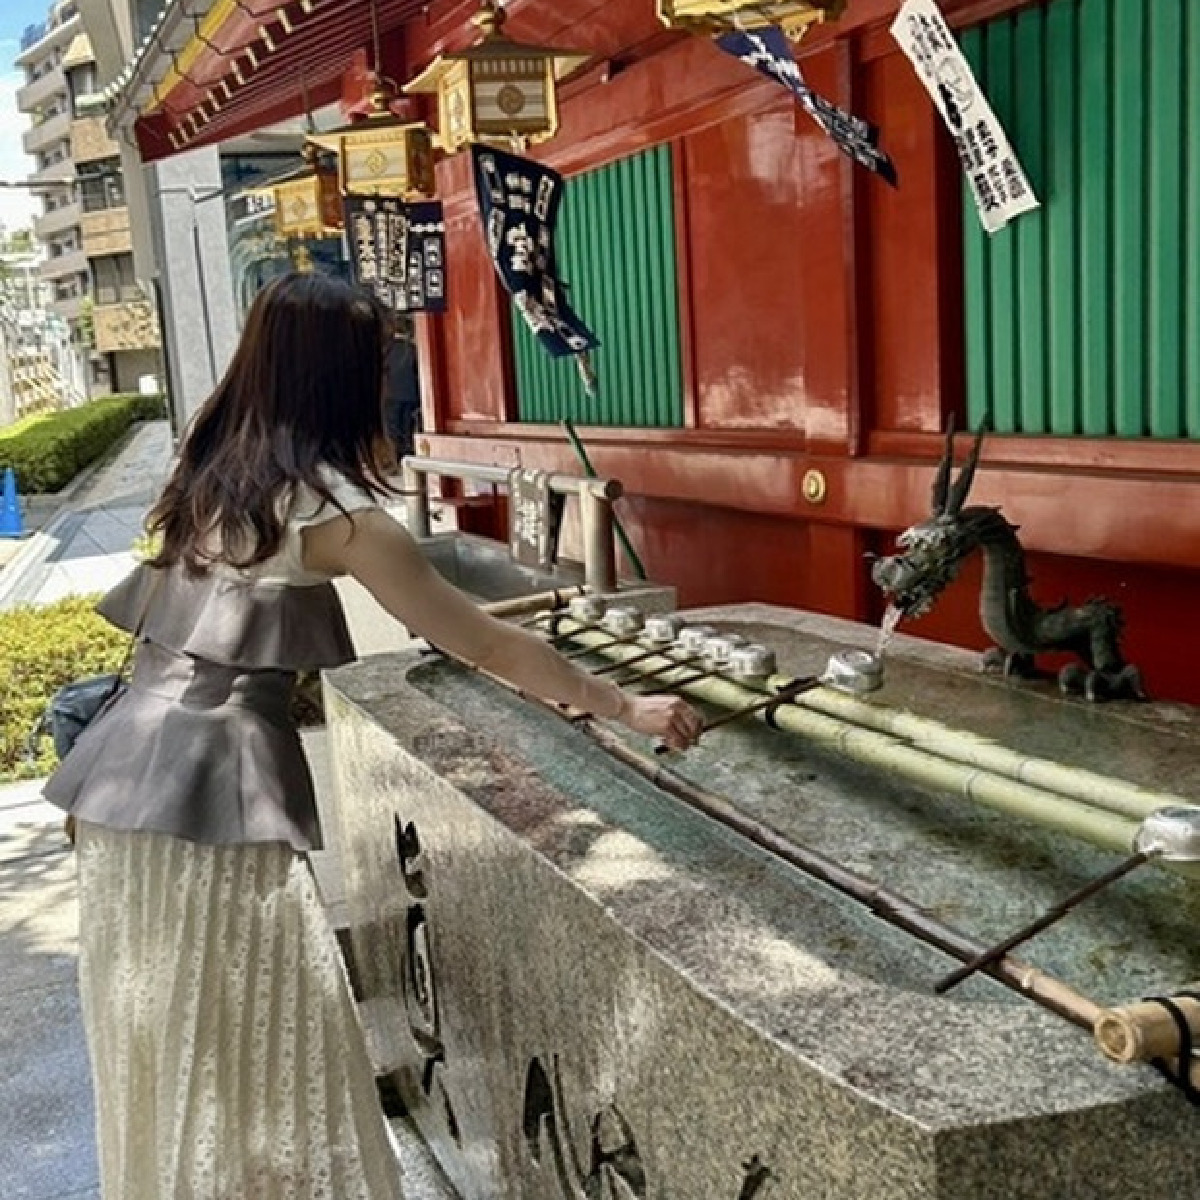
1191, 247
1129, 215
616, 250
1084, 317
977, 284
1166, 223
1002, 247
1062, 222
1095, 215
1029, 126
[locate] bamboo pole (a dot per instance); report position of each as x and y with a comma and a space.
891, 907
585, 462
1099, 791
886, 904
1114, 795
521, 606
888, 753
1145, 1031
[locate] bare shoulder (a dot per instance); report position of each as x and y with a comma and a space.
347, 544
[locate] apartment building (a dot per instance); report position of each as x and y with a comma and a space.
45, 99
123, 323
84, 226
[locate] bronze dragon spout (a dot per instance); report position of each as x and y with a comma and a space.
931, 554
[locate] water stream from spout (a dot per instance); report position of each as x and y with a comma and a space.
887, 630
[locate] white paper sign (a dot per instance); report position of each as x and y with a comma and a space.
1001, 188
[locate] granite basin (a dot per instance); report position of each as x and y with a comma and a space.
584, 988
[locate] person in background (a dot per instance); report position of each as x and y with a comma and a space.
226, 1053
403, 404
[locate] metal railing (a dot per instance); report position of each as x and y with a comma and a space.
596, 498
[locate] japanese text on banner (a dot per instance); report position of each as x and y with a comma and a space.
398, 251
1000, 186
519, 201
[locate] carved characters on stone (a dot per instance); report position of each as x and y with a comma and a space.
613, 1168
420, 980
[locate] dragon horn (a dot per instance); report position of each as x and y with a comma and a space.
966, 477
941, 484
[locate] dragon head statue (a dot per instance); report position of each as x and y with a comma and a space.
931, 552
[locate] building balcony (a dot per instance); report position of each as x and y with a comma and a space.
106, 232
54, 37
46, 133
90, 140
37, 94
61, 173
74, 262
58, 221
70, 310
128, 325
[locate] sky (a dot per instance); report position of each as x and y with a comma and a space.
16, 207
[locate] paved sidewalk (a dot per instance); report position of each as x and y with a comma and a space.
86, 546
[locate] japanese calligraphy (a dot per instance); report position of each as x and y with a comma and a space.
398, 251
534, 516
519, 202
997, 181
612, 1164
769, 51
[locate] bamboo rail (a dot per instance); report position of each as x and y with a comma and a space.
885, 751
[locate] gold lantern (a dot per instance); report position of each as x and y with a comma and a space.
307, 203
794, 17
497, 90
382, 155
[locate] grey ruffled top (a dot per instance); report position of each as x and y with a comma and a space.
202, 746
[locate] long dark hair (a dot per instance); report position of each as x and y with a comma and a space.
304, 391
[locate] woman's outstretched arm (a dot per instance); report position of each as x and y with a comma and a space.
380, 553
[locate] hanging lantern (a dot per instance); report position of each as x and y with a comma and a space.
382, 155
497, 90
794, 17
308, 204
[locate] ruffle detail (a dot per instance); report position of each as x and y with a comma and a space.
199, 751
232, 621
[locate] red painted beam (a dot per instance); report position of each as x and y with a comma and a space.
1138, 519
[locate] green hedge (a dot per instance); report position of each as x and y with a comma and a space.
48, 450
41, 649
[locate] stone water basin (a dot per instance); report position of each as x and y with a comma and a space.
579, 983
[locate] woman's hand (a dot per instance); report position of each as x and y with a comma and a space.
672, 720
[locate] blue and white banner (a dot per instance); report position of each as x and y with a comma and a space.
1001, 189
398, 252
519, 201
769, 51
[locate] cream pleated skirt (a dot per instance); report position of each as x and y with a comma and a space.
227, 1056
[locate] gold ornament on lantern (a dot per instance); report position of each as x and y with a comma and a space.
382, 155
794, 17
308, 204
497, 91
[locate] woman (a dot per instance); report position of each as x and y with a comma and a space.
227, 1060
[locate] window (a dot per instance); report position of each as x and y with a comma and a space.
616, 250
1084, 316
114, 279
101, 191
83, 82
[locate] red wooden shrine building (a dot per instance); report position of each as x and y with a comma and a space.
785, 335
